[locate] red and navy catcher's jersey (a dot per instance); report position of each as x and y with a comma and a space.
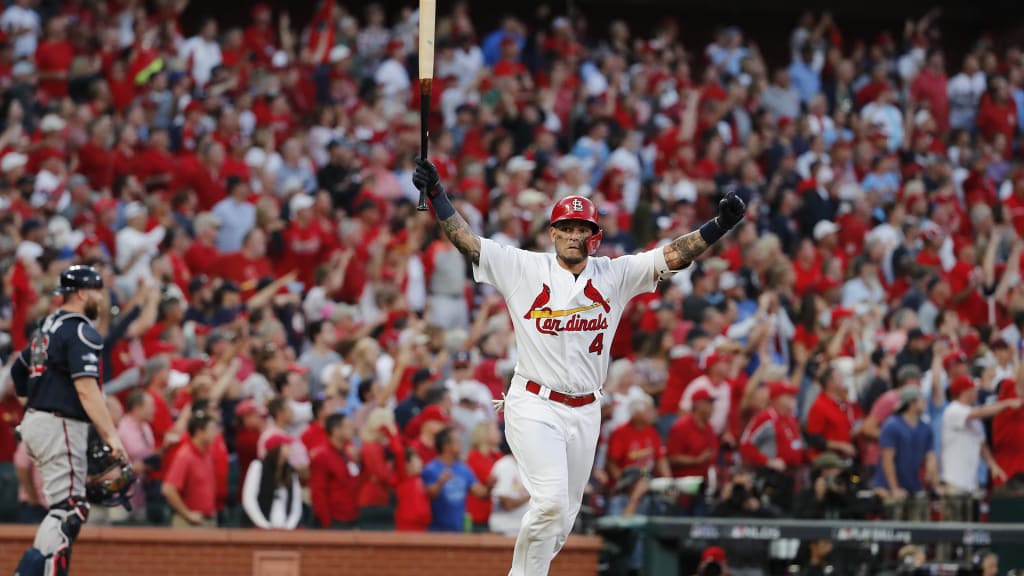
66, 347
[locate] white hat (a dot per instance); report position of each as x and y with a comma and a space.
727, 281
134, 209
825, 228
13, 160
300, 201
530, 197
280, 59
520, 164
339, 53
568, 163
28, 250
52, 123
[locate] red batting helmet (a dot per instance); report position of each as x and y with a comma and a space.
579, 208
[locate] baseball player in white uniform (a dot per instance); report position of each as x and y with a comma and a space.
565, 308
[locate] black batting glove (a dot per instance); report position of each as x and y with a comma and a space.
731, 210
425, 178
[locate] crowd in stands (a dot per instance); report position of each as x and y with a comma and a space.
289, 343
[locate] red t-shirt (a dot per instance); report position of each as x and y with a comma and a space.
163, 421
202, 258
630, 446
681, 372
333, 488
689, 438
194, 475
54, 57
973, 307
244, 271
1008, 434
247, 447
97, 165
305, 249
830, 420
479, 509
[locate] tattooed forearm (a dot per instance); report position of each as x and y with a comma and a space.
684, 250
458, 231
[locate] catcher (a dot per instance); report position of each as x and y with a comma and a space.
58, 375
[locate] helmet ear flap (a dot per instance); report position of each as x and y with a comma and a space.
594, 242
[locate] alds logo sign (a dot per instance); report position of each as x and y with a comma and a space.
551, 322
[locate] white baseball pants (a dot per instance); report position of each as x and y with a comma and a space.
554, 446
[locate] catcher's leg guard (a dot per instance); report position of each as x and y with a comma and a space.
51, 551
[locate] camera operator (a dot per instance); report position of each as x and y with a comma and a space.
832, 493
741, 498
713, 563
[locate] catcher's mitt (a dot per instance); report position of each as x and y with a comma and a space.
110, 480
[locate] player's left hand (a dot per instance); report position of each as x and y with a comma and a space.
499, 405
731, 210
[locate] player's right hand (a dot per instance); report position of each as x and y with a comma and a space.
425, 178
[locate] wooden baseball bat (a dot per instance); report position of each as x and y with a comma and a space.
428, 13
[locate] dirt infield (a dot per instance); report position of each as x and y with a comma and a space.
226, 552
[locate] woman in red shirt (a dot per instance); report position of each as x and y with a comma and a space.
382, 447
484, 453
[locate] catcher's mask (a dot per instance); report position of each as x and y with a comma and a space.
110, 480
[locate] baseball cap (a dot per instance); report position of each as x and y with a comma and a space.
460, 359
779, 388
917, 334
906, 373
713, 554
134, 209
827, 460
959, 385
250, 406
433, 413
422, 375
300, 201
908, 395
824, 228
999, 344
717, 357
276, 441
958, 357
702, 395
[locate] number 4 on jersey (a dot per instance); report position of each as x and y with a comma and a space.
597, 346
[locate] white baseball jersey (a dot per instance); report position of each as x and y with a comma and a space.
564, 326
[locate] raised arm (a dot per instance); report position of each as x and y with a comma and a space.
685, 249
454, 225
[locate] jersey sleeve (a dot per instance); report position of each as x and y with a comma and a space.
84, 348
635, 274
500, 266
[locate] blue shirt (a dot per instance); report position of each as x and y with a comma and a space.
449, 507
236, 219
911, 445
805, 80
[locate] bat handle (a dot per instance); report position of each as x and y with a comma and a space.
424, 134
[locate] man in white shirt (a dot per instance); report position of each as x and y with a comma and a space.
392, 78
136, 247
716, 382
965, 90
21, 22
510, 498
963, 447
202, 52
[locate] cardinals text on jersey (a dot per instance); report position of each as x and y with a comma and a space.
562, 322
